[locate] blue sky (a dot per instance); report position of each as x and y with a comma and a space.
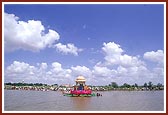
103, 38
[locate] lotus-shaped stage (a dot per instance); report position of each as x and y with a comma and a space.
80, 89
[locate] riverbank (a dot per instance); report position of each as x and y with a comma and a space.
93, 88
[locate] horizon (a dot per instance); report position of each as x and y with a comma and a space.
86, 84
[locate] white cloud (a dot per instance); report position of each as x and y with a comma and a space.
26, 35
69, 48
81, 70
103, 72
128, 61
122, 71
20, 67
19, 71
114, 56
112, 48
127, 68
56, 66
43, 66
157, 56
60, 73
157, 74
112, 52
32, 36
124, 68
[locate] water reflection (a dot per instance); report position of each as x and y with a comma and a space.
81, 103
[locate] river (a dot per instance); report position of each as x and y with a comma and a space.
21, 100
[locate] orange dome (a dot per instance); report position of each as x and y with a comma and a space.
80, 78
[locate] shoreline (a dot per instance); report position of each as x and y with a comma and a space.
42, 88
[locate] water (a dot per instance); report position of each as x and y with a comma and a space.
17, 100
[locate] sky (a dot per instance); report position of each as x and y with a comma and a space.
55, 43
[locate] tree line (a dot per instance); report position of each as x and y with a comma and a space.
27, 84
149, 86
111, 86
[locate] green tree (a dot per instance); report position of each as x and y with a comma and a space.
8, 83
145, 85
114, 85
159, 85
150, 85
136, 85
125, 85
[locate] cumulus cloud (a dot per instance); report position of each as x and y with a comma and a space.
58, 74
18, 71
153, 56
69, 48
32, 36
114, 56
81, 70
112, 52
124, 68
28, 35
103, 72
112, 48
56, 67
43, 66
